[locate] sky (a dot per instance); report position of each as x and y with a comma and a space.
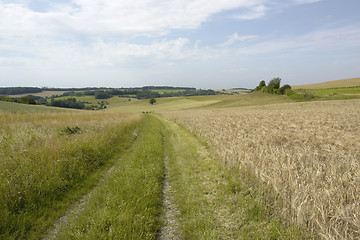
207, 44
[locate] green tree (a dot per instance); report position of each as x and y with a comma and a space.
261, 85
152, 101
273, 85
282, 90
27, 100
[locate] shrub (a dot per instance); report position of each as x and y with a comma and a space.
283, 89
152, 101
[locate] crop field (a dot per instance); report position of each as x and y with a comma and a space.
17, 107
343, 83
162, 104
307, 153
40, 94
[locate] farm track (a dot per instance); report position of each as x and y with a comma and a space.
198, 197
76, 208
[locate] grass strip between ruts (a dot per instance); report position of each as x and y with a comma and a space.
127, 204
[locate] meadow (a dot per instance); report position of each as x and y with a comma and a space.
307, 153
46, 160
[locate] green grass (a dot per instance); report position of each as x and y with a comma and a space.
127, 204
43, 170
334, 91
326, 94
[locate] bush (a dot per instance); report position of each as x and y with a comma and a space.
152, 101
27, 100
283, 89
289, 92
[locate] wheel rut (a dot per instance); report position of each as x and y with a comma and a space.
170, 216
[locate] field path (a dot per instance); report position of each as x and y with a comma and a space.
169, 186
75, 209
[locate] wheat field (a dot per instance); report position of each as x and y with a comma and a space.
308, 153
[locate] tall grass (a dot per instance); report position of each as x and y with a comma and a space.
40, 162
308, 153
127, 204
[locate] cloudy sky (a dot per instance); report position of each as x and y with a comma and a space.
197, 43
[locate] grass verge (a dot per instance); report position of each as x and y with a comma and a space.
43, 170
127, 204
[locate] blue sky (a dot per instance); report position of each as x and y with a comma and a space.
196, 43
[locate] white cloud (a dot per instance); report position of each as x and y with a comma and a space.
329, 39
253, 13
236, 38
112, 16
307, 1
55, 54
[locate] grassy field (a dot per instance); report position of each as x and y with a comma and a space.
49, 159
326, 94
351, 82
17, 107
306, 152
127, 204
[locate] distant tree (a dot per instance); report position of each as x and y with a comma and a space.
283, 89
27, 100
152, 101
103, 95
273, 85
260, 86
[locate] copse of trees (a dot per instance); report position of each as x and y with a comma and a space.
67, 103
273, 87
25, 99
19, 90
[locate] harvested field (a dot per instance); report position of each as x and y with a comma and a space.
309, 153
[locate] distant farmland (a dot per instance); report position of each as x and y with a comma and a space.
351, 82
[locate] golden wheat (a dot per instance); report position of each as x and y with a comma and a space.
308, 152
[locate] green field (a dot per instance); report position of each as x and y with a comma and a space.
326, 94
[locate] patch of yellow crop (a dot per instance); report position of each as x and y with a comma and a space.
309, 153
351, 82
